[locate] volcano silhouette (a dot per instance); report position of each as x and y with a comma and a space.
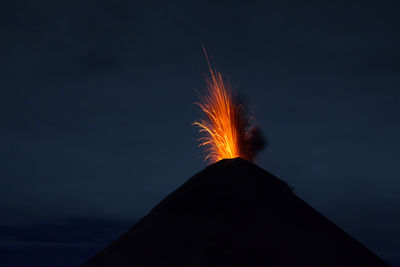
234, 213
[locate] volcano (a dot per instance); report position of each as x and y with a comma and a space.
233, 213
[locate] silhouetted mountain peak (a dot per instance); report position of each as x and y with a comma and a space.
233, 213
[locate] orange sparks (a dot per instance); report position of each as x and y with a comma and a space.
224, 125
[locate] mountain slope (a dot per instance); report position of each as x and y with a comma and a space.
234, 213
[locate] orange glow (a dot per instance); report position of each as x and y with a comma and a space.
223, 125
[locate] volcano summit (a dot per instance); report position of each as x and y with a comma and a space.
234, 213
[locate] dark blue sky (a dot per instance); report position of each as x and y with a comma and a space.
96, 102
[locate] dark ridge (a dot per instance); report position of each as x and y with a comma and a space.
233, 213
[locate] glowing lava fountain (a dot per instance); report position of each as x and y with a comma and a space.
226, 127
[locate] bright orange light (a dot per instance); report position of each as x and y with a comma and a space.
223, 125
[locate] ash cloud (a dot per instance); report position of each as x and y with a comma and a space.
253, 139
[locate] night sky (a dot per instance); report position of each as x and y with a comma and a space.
96, 106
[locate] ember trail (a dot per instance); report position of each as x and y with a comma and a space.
226, 127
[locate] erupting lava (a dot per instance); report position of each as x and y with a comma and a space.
226, 127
